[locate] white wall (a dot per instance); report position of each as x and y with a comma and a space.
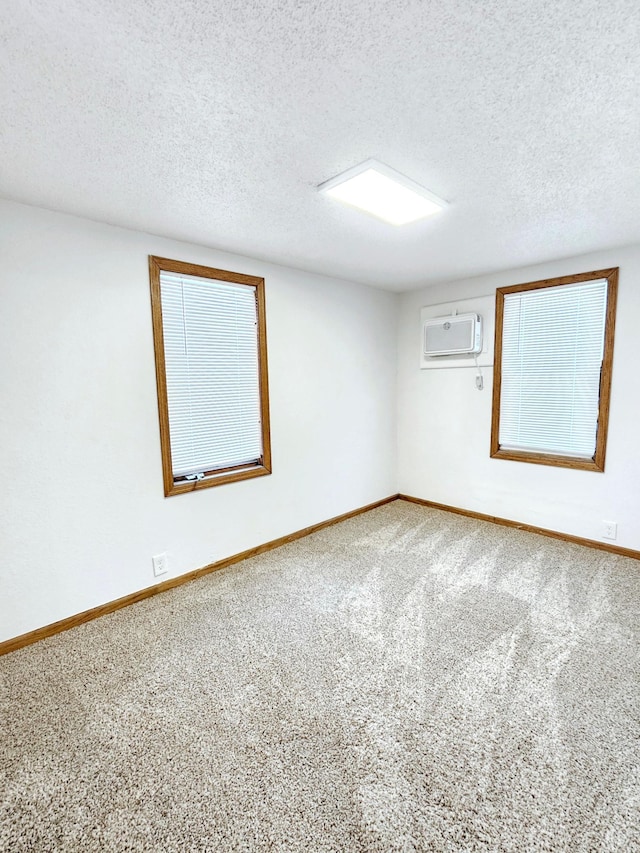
444, 422
82, 507
82, 500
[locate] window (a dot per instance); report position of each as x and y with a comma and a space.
211, 369
552, 370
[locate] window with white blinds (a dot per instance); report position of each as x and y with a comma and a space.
212, 406
556, 342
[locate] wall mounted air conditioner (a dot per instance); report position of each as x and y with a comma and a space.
457, 334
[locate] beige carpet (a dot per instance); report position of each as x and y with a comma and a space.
408, 680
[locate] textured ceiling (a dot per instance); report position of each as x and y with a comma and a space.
213, 122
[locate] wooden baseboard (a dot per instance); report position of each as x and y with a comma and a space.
530, 528
30, 637
87, 615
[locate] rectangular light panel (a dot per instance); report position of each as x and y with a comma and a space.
384, 193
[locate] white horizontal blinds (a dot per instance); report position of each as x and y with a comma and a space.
211, 361
552, 348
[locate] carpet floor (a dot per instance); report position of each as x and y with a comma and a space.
407, 680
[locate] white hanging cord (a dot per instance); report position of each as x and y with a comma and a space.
479, 377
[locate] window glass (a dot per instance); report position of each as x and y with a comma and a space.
553, 367
210, 349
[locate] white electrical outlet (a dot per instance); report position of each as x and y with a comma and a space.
609, 529
160, 564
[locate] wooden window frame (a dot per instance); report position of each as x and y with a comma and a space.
178, 486
596, 462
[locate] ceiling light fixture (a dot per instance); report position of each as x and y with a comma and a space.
384, 193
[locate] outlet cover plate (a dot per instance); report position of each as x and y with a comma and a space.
160, 564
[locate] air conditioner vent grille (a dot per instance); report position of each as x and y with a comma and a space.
457, 334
